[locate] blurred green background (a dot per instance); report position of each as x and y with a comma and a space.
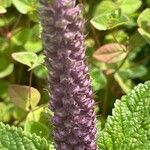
117, 50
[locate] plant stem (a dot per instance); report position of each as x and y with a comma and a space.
30, 84
105, 102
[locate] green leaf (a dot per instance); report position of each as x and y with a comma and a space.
120, 36
129, 6
21, 6
36, 127
2, 10
6, 112
137, 71
5, 68
145, 35
16, 139
34, 43
41, 72
19, 113
110, 53
41, 114
98, 79
5, 3
103, 7
144, 24
28, 58
124, 81
109, 20
24, 97
21, 36
129, 126
7, 71
38, 62
3, 90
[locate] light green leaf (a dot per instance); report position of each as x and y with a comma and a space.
38, 62
5, 68
109, 20
23, 96
34, 43
26, 58
103, 7
5, 114
41, 72
145, 35
137, 71
3, 90
21, 6
21, 36
19, 113
33, 46
129, 6
36, 127
30, 59
5, 3
41, 114
124, 81
2, 10
129, 126
7, 71
144, 24
12, 138
120, 36
98, 79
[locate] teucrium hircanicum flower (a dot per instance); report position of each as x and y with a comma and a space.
70, 90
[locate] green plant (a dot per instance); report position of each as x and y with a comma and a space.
128, 128
117, 50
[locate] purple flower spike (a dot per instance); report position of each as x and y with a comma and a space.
70, 90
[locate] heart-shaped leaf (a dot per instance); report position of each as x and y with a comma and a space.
23, 96
29, 58
111, 53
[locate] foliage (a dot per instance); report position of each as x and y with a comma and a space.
129, 126
13, 138
117, 41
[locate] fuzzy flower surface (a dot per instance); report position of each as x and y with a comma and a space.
69, 82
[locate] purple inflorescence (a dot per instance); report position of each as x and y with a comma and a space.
70, 90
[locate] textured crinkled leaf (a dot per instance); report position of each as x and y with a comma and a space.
12, 138
129, 126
